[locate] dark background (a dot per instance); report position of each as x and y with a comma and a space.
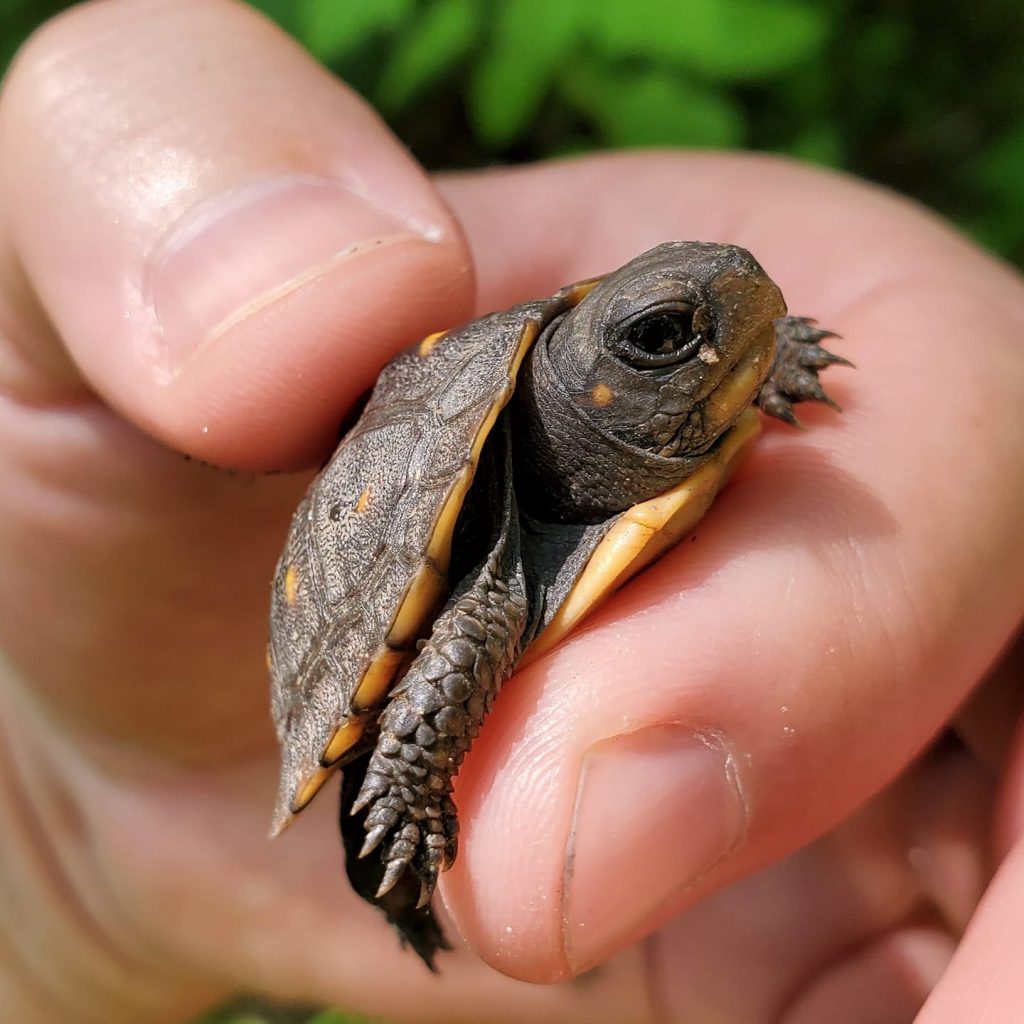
926, 96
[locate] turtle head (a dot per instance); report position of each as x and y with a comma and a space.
645, 375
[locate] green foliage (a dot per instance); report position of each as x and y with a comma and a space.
441, 35
331, 30
923, 95
528, 40
653, 107
738, 40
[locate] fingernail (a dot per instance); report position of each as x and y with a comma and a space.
231, 256
655, 810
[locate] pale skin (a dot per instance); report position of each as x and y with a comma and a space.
843, 600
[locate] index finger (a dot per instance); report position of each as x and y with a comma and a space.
839, 601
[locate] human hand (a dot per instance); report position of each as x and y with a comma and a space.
842, 599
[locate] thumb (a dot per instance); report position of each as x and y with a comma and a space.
227, 240
228, 243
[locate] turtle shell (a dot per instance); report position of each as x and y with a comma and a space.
365, 564
475, 514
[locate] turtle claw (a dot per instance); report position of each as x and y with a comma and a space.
778, 407
399, 855
814, 357
392, 873
809, 389
804, 329
373, 840
424, 845
375, 785
794, 374
426, 893
390, 883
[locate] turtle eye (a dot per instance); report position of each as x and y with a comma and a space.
664, 337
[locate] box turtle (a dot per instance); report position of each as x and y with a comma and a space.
502, 479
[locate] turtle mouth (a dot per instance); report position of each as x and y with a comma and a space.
724, 405
741, 384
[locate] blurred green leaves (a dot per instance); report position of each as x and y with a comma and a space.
331, 30
922, 95
626, 72
926, 96
440, 37
730, 41
1000, 171
653, 107
527, 47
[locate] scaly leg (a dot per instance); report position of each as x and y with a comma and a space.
431, 719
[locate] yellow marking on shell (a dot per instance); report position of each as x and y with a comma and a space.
344, 738
291, 585
376, 679
268, 658
577, 292
601, 395
293, 798
529, 336
426, 346
364, 500
420, 601
439, 550
309, 789
430, 582
643, 533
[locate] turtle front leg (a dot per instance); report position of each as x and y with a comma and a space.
403, 807
431, 719
794, 373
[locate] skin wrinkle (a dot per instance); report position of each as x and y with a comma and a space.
127, 944
916, 909
47, 857
310, 276
918, 915
654, 988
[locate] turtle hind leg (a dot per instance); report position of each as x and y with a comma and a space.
793, 378
416, 925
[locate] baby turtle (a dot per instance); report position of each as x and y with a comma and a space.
502, 479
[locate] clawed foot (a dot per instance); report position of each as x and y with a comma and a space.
794, 374
415, 828
391, 883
